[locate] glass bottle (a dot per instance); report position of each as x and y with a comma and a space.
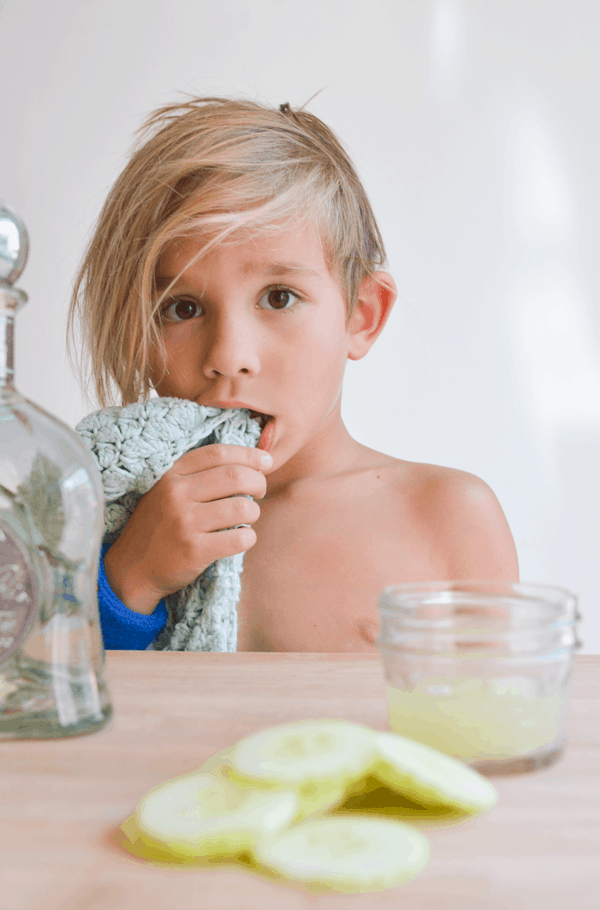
51, 523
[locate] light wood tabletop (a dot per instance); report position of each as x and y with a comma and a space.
63, 800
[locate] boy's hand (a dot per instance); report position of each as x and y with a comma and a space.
175, 531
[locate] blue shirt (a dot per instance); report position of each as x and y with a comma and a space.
124, 629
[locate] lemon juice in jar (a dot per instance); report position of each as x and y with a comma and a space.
480, 670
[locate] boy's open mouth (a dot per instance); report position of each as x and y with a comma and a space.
266, 422
263, 419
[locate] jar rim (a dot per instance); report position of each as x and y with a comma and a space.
485, 584
483, 609
447, 592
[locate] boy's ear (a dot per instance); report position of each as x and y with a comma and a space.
376, 298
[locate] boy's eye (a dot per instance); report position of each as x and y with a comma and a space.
181, 311
279, 299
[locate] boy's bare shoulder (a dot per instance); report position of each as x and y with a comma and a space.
430, 481
457, 514
453, 517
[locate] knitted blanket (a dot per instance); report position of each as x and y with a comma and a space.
133, 447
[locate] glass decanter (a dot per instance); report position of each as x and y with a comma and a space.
51, 522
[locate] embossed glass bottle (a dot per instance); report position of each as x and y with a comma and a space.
51, 521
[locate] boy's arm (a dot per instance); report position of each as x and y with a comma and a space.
122, 628
468, 527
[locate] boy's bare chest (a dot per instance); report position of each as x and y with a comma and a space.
312, 580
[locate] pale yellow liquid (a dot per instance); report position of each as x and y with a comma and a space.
479, 719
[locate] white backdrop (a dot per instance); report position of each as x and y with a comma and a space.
475, 126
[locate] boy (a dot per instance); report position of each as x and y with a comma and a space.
254, 268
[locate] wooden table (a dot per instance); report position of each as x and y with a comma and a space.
63, 800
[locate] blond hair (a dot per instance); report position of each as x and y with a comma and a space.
215, 168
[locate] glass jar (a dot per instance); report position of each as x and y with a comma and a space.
480, 670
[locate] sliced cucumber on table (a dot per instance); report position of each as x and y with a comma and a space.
201, 815
312, 796
346, 853
312, 756
429, 777
305, 752
250, 801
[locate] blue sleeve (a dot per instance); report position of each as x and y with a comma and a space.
124, 629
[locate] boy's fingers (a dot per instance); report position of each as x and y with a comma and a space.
220, 483
226, 514
218, 455
228, 542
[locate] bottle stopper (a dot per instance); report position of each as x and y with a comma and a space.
14, 245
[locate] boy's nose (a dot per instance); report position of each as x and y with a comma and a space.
231, 350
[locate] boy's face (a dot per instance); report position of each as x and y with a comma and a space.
259, 324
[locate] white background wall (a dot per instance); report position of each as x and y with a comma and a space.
475, 126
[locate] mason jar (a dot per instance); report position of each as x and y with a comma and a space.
480, 670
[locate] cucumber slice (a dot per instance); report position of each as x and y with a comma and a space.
313, 796
429, 777
304, 752
204, 816
346, 854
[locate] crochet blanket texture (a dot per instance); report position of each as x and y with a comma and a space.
133, 447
